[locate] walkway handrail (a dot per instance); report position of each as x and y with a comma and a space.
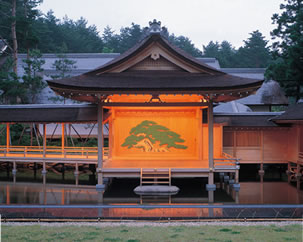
226, 161
37, 151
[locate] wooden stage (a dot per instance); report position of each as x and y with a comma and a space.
112, 168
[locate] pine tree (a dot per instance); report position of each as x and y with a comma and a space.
211, 50
287, 67
254, 53
11, 90
33, 78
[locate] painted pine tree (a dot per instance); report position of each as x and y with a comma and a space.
152, 137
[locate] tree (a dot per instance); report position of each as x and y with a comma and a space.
128, 37
33, 78
152, 137
185, 44
224, 53
11, 90
254, 53
211, 50
14, 37
16, 25
227, 55
287, 67
63, 67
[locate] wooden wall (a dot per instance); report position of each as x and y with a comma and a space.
261, 145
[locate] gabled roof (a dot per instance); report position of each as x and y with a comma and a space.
155, 66
148, 42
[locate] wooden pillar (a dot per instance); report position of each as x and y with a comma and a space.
288, 172
210, 196
237, 176
210, 135
261, 172
7, 138
8, 200
14, 171
261, 192
62, 196
63, 147
237, 197
100, 185
44, 140
44, 154
298, 175
210, 186
63, 137
76, 174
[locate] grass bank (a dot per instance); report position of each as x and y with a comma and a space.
151, 233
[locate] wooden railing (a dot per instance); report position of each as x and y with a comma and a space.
227, 161
51, 152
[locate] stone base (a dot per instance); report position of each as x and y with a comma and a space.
236, 187
100, 187
211, 187
261, 172
156, 190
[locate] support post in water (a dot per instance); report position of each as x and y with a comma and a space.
76, 173
100, 185
14, 171
44, 155
210, 186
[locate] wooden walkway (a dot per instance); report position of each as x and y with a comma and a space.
50, 153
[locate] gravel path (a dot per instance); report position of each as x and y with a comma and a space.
155, 224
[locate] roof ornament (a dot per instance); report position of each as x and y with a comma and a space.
155, 26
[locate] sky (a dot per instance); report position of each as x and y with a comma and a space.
199, 20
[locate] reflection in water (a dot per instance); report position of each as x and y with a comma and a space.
250, 193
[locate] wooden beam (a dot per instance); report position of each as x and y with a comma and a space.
155, 104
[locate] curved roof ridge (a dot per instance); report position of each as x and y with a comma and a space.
143, 43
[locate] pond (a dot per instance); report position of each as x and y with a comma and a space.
253, 200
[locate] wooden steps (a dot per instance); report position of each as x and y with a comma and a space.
155, 176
